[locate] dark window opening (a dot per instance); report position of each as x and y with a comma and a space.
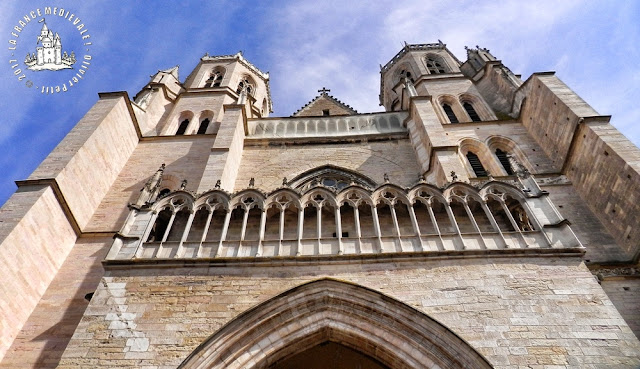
472, 112
214, 79
504, 160
404, 73
218, 80
183, 127
88, 296
434, 66
344, 234
325, 112
450, 114
476, 165
203, 127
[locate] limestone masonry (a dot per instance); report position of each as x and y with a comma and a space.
480, 221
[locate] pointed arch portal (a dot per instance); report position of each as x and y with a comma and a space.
346, 316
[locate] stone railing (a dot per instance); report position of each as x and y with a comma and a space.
337, 126
352, 221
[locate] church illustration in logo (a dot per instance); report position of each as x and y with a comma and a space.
49, 55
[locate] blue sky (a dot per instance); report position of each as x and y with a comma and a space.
307, 45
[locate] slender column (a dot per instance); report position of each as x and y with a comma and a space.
513, 222
536, 224
244, 224
152, 221
452, 218
339, 230
416, 227
300, 230
263, 222
394, 216
376, 226
474, 223
225, 228
435, 224
356, 217
185, 234
319, 221
166, 233
169, 225
281, 233
494, 224
207, 224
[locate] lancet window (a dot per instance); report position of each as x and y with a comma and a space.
434, 65
203, 126
450, 114
183, 127
476, 165
215, 78
504, 161
471, 112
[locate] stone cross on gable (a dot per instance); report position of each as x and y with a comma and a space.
324, 90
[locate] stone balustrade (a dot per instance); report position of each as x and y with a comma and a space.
355, 125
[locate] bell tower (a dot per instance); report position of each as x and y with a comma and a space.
426, 80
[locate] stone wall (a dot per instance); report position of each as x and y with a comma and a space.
41, 341
35, 239
551, 113
89, 158
530, 311
185, 158
625, 295
601, 246
372, 159
607, 176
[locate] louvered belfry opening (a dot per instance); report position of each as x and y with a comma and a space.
504, 160
472, 112
450, 114
476, 165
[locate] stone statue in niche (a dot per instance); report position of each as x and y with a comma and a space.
148, 192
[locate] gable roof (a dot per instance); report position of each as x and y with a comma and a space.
322, 102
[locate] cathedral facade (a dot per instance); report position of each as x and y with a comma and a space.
480, 221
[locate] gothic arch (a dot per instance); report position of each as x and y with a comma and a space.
436, 64
478, 104
404, 70
360, 318
482, 152
509, 147
303, 180
452, 114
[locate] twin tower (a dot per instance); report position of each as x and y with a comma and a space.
479, 221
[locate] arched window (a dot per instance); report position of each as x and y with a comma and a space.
476, 165
215, 79
450, 114
203, 126
183, 127
471, 111
245, 85
504, 160
405, 73
331, 177
435, 66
